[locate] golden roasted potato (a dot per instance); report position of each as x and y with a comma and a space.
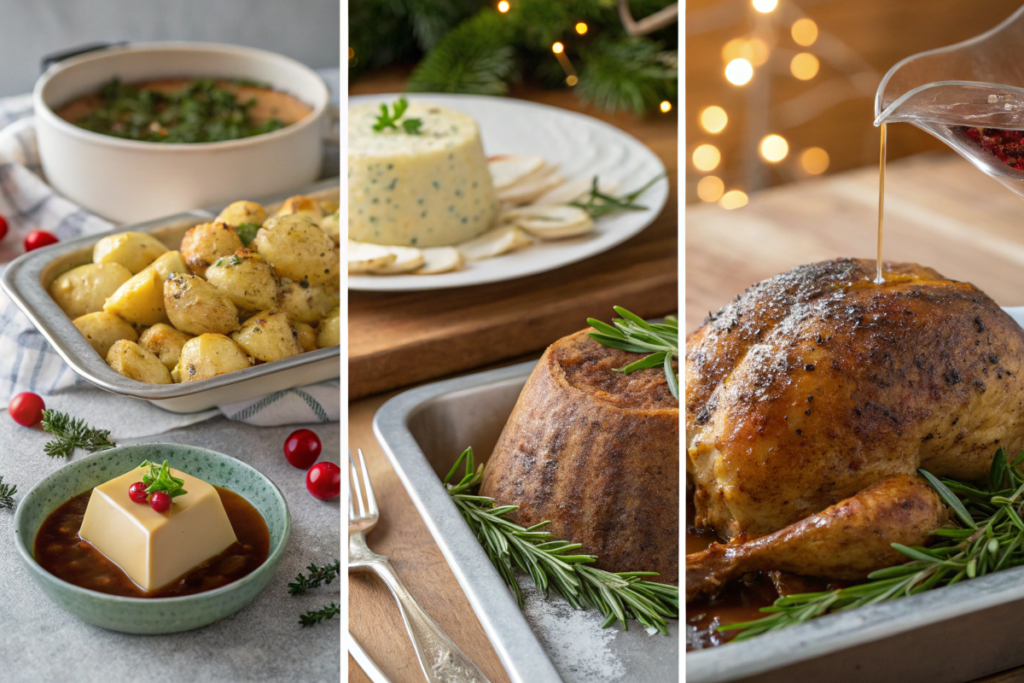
135, 362
133, 250
301, 205
305, 304
246, 278
306, 336
195, 306
209, 355
102, 329
299, 250
164, 342
140, 300
168, 264
83, 289
268, 336
331, 226
242, 213
329, 330
207, 242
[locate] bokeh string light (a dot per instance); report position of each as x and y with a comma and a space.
706, 157
503, 6
714, 119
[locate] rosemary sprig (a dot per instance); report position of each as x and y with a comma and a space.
388, 119
317, 576
634, 334
159, 478
7, 492
313, 618
71, 433
598, 203
553, 564
991, 538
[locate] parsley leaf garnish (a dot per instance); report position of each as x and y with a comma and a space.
159, 478
390, 119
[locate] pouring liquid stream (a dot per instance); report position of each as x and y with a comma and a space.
879, 275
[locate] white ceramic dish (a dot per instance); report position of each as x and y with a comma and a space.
582, 145
130, 180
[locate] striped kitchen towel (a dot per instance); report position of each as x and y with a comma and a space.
28, 363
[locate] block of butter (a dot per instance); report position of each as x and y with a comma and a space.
155, 548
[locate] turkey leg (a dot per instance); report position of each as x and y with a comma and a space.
848, 540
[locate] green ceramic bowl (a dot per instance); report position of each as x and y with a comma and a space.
156, 615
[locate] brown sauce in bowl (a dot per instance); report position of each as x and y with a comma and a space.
59, 550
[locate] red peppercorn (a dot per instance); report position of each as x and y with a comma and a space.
302, 448
3, 227
137, 492
26, 409
39, 238
323, 481
160, 501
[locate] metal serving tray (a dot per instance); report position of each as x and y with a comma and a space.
27, 281
423, 431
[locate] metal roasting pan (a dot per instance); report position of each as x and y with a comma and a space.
27, 280
423, 431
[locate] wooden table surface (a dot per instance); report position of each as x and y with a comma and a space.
536, 304
940, 212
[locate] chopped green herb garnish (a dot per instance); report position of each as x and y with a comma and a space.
317, 576
315, 617
227, 261
159, 478
247, 232
388, 120
7, 492
71, 433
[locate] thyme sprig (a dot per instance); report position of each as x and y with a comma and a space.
599, 203
553, 564
660, 341
7, 492
71, 433
314, 617
388, 119
317, 575
990, 538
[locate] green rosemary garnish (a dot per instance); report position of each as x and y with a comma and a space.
315, 617
72, 433
634, 334
598, 203
7, 492
551, 563
159, 478
247, 232
317, 576
388, 120
990, 538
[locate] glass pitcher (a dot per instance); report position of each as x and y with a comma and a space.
954, 91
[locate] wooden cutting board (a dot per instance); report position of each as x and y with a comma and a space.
397, 339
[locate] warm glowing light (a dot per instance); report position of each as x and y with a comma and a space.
814, 160
665, 106
765, 6
739, 71
581, 28
774, 148
706, 157
805, 32
710, 188
733, 49
351, 53
503, 6
571, 80
754, 51
558, 48
713, 119
804, 66
733, 199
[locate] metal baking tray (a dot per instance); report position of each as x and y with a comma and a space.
423, 431
27, 281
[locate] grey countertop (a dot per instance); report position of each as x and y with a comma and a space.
263, 642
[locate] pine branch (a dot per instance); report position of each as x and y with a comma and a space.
626, 74
7, 492
72, 433
473, 58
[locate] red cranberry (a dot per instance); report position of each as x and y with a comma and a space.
973, 133
3, 227
39, 238
302, 448
26, 409
323, 481
137, 492
160, 501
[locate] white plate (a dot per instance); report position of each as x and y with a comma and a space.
582, 145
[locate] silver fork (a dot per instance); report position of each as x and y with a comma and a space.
441, 660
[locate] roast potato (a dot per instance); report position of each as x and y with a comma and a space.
84, 289
207, 242
329, 330
246, 278
195, 306
301, 205
167, 264
102, 329
268, 336
140, 300
299, 250
305, 304
135, 362
306, 336
240, 213
133, 250
209, 355
164, 342
331, 226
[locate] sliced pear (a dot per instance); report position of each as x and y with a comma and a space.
364, 257
573, 190
406, 259
494, 242
508, 170
554, 222
439, 260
